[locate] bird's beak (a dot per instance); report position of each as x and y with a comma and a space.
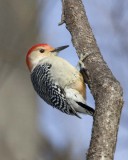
58, 49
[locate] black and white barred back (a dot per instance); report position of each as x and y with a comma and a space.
44, 84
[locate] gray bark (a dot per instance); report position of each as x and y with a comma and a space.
104, 87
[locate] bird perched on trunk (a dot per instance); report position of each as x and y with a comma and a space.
56, 81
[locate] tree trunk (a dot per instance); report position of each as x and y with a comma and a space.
105, 89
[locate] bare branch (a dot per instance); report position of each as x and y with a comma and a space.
105, 89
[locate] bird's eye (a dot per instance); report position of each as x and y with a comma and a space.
42, 50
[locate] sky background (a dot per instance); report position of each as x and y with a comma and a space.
108, 21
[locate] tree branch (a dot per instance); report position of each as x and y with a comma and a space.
105, 89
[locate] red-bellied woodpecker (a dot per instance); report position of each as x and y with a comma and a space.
56, 81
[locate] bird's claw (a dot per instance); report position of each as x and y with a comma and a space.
83, 68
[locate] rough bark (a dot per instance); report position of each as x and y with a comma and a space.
104, 87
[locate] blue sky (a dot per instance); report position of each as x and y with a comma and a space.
63, 129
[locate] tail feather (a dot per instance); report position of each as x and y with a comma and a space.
73, 112
87, 108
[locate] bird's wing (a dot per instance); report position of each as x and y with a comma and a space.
59, 101
50, 90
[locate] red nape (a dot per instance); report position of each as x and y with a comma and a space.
33, 48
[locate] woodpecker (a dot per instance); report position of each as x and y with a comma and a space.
56, 81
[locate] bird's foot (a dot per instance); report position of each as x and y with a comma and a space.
83, 69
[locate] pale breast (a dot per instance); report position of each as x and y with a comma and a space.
67, 75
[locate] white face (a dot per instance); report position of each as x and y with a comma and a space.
37, 55
40, 51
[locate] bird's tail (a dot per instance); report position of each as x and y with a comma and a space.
88, 110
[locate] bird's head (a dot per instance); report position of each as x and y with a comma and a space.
40, 51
